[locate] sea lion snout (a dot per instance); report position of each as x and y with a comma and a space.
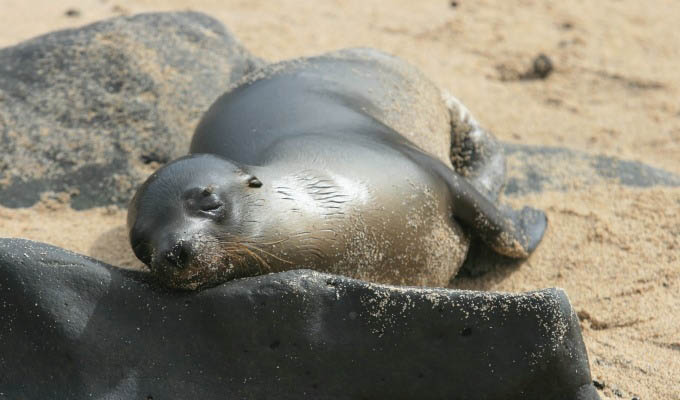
179, 255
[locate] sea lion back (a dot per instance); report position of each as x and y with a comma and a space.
328, 95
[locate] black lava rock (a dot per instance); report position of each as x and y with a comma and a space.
72, 12
83, 110
533, 170
72, 327
541, 68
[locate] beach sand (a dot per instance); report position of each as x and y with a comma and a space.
614, 91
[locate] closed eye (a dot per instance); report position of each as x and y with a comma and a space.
211, 206
205, 202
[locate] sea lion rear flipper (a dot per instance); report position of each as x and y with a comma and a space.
475, 153
508, 232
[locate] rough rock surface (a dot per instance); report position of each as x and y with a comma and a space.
72, 327
93, 111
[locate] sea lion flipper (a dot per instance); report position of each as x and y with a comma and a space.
511, 233
531, 222
474, 152
478, 158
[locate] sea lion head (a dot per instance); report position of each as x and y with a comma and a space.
186, 222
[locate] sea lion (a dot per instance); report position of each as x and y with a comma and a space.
340, 163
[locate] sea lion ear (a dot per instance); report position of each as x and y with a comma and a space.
253, 182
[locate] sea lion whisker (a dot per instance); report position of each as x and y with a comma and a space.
268, 243
259, 259
252, 246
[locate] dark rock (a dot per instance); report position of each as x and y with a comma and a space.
82, 110
533, 170
72, 327
72, 12
541, 67
598, 384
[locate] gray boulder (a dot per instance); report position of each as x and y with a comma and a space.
93, 111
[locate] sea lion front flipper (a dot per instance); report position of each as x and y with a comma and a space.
532, 223
508, 232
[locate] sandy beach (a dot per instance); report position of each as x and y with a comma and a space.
614, 91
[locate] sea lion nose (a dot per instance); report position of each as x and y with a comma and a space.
179, 254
